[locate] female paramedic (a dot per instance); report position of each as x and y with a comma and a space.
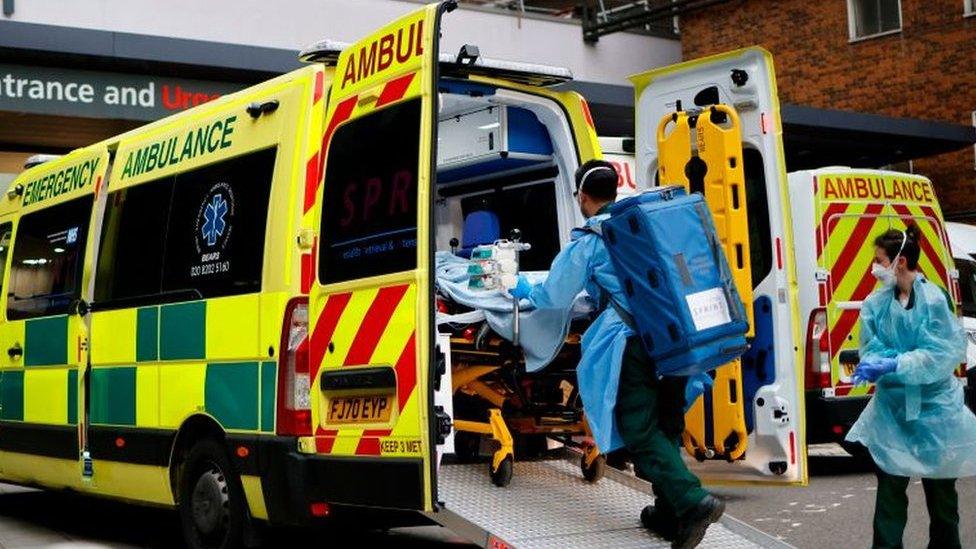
917, 424
646, 413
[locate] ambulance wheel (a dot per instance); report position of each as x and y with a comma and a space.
212, 507
503, 476
595, 471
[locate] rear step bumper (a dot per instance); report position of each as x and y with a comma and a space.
549, 505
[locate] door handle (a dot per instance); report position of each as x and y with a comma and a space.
16, 351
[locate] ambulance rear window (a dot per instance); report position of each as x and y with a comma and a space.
757, 205
369, 208
45, 275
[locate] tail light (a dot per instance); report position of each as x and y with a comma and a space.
294, 385
818, 351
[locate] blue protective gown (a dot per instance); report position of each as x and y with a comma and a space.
585, 264
916, 424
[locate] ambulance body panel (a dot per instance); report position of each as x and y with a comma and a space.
619, 151
837, 214
145, 294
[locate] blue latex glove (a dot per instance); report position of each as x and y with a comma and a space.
696, 387
870, 371
522, 288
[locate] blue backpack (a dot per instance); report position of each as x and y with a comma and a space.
673, 270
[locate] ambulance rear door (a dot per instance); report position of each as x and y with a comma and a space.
371, 347
772, 370
853, 208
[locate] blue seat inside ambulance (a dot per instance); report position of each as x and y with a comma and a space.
480, 227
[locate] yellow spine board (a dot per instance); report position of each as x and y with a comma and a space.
674, 150
729, 412
719, 145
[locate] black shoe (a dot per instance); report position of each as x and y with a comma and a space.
692, 526
655, 521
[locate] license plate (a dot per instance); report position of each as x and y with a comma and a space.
368, 409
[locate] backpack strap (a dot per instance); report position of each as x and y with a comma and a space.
606, 298
626, 317
596, 228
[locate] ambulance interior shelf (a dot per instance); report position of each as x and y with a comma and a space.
488, 141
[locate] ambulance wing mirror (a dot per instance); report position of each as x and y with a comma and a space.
468, 55
257, 108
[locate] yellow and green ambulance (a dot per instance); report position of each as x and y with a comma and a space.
154, 307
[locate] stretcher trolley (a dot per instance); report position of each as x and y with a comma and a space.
702, 151
498, 405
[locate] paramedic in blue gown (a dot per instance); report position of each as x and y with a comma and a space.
917, 424
626, 404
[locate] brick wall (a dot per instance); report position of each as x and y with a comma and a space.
926, 71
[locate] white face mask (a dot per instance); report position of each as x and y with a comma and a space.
886, 275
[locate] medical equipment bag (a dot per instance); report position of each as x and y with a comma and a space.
674, 272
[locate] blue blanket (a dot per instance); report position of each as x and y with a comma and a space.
541, 331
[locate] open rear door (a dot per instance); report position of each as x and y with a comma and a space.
771, 372
370, 315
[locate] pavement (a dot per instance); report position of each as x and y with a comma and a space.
33, 519
834, 511
837, 508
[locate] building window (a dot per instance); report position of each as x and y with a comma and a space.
969, 7
868, 18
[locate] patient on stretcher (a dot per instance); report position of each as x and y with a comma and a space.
501, 389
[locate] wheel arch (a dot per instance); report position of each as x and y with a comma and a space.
195, 428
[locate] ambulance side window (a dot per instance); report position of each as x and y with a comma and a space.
369, 211
45, 275
195, 235
217, 227
757, 205
130, 256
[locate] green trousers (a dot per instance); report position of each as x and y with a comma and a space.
650, 418
891, 511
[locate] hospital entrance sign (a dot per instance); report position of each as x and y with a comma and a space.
96, 94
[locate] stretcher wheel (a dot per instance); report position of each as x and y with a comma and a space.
596, 470
502, 477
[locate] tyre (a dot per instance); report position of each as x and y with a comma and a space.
503, 476
596, 470
212, 506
